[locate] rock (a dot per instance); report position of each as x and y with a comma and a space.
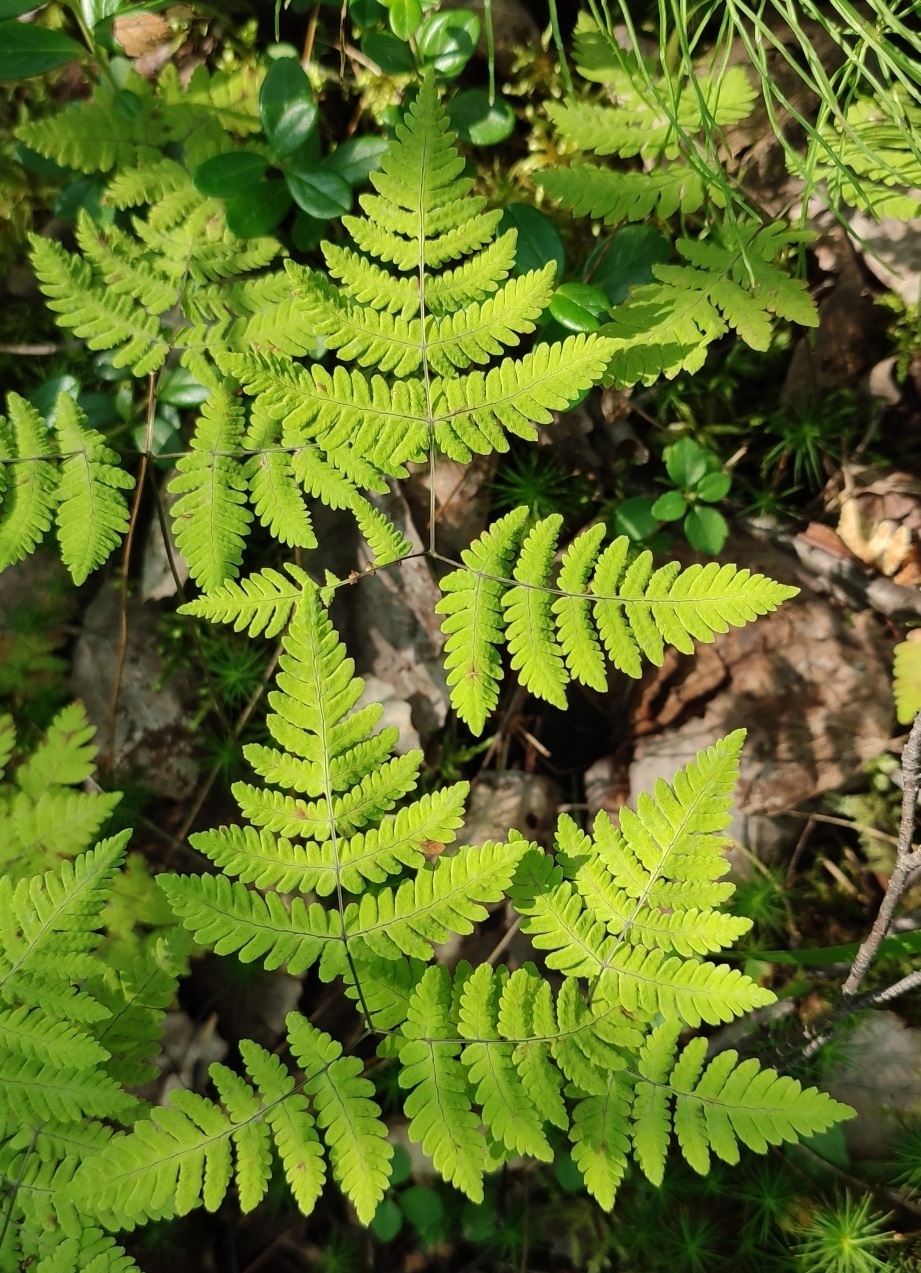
811, 685
892, 251
394, 632
510, 800
157, 579
150, 735
462, 497
880, 1075
396, 712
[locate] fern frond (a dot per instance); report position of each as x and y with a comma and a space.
276, 499
30, 493
636, 611
438, 1105
210, 517
599, 1139
147, 184
350, 1119
104, 321
99, 134
260, 604
475, 624
614, 196
64, 757
387, 544
718, 1107
124, 269
92, 514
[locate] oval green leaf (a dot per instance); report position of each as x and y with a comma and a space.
480, 122
257, 210
366, 13
13, 8
538, 238
579, 306
670, 506
27, 50
713, 487
447, 41
686, 462
405, 16
307, 231
387, 1221
225, 176
634, 518
706, 529
286, 107
355, 160
391, 55
323, 194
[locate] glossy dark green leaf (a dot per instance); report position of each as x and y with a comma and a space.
40, 164
27, 50
224, 176
96, 11
307, 231
83, 192
355, 160
625, 259
177, 387
670, 506
390, 54
286, 107
538, 238
323, 194
366, 13
713, 487
447, 41
706, 529
579, 306
475, 120
257, 210
13, 8
405, 16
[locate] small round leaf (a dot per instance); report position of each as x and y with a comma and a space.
578, 307
634, 518
257, 210
387, 1221
366, 13
670, 506
538, 238
286, 106
322, 193
687, 462
625, 259
476, 120
447, 41
224, 176
706, 529
713, 487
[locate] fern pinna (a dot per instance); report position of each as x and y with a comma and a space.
337, 869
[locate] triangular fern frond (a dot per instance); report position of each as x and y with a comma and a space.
260, 604
613, 196
631, 609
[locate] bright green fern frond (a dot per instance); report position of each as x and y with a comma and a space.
101, 133
125, 270
632, 610
475, 623
438, 1104
667, 326
92, 515
349, 1117
387, 544
614, 196
30, 481
716, 1107
210, 518
600, 1144
274, 493
260, 604
103, 320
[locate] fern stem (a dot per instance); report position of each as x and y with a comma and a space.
560, 48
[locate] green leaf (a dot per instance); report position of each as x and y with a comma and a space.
447, 41
322, 194
27, 50
479, 121
578, 307
538, 238
366, 13
405, 16
286, 107
355, 160
670, 506
258, 210
635, 518
706, 529
713, 487
387, 1221
390, 54
13, 8
625, 260
686, 462
307, 231
224, 176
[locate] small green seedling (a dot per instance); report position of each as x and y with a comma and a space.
698, 482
